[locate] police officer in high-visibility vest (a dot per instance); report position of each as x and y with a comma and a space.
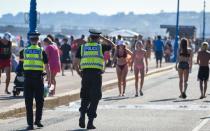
89, 64
35, 61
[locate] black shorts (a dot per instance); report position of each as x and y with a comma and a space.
66, 60
184, 65
159, 55
203, 73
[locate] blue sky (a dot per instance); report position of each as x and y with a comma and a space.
105, 7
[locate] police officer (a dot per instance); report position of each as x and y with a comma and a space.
89, 64
35, 60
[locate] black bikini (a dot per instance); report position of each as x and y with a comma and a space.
183, 64
122, 56
122, 66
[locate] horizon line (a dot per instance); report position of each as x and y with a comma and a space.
93, 12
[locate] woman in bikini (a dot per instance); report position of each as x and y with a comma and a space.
184, 66
138, 58
120, 56
148, 48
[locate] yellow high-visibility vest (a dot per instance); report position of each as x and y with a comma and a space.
33, 58
92, 56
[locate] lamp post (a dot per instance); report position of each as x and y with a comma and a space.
204, 20
33, 17
177, 33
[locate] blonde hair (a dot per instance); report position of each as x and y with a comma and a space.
204, 46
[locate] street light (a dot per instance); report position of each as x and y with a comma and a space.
177, 33
32, 17
204, 20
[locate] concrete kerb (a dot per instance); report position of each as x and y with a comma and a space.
112, 84
66, 98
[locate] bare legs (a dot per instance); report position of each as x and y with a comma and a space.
124, 75
121, 75
71, 68
186, 75
63, 68
63, 65
149, 55
203, 89
142, 81
8, 76
53, 82
183, 79
136, 72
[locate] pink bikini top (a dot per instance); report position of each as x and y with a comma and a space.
139, 55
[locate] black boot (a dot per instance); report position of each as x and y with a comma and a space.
90, 124
30, 127
82, 120
38, 124
184, 95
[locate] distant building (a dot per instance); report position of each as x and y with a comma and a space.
15, 30
184, 31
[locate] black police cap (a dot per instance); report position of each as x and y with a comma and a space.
34, 34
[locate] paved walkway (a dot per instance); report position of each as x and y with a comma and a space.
64, 84
160, 109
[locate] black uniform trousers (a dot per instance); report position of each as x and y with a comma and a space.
34, 88
90, 92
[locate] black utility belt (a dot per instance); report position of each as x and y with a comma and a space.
34, 75
97, 71
33, 78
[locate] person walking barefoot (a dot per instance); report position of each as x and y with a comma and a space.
203, 73
184, 66
121, 55
138, 58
